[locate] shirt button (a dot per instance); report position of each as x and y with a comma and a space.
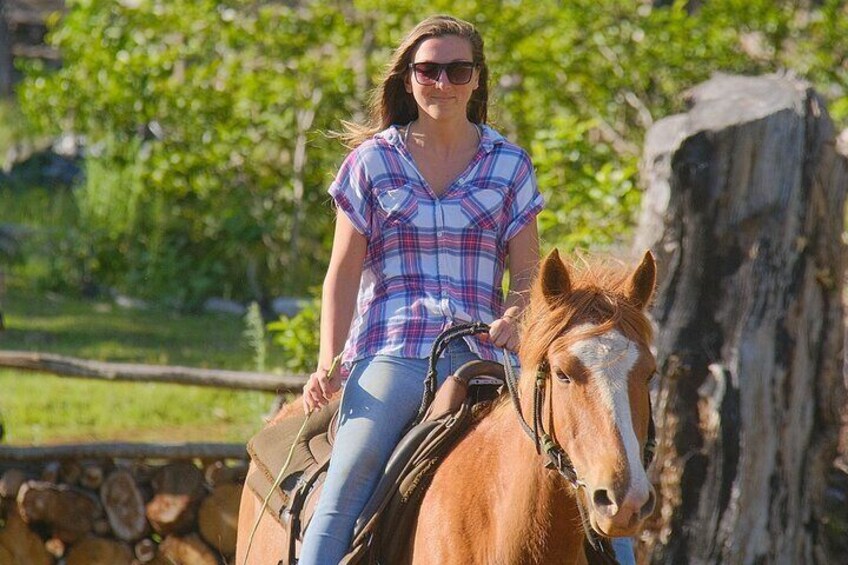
440, 233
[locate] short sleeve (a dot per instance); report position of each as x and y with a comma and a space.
351, 191
526, 201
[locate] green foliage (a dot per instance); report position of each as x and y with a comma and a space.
297, 337
14, 130
195, 112
254, 335
205, 118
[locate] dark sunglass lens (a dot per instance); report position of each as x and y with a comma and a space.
459, 73
426, 73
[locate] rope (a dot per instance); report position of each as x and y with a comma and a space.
279, 478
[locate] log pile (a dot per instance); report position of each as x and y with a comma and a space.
120, 512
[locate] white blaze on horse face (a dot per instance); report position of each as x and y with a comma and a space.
609, 358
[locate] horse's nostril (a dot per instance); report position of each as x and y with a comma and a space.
648, 507
601, 499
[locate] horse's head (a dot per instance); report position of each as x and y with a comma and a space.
589, 334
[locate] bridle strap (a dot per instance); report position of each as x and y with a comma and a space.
545, 444
439, 345
557, 457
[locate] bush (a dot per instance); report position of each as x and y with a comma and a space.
297, 336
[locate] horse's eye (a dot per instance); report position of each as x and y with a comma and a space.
562, 376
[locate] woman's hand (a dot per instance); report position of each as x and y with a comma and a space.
320, 388
503, 332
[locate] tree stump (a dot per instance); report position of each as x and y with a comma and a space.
69, 513
124, 506
744, 210
218, 518
178, 490
188, 550
99, 551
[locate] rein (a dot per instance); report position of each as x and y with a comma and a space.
557, 457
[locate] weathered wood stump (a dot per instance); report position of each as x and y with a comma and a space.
745, 211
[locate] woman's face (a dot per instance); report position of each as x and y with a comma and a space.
442, 99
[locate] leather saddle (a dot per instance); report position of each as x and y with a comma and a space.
382, 532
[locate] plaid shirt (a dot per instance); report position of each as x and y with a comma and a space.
431, 261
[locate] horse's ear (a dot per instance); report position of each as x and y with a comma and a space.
640, 288
556, 283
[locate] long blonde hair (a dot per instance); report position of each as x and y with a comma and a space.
390, 103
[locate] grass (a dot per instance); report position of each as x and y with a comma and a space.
43, 409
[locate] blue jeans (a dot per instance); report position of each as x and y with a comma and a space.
623, 548
381, 397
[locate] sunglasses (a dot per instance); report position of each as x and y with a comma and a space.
458, 72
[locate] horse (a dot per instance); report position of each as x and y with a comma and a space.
499, 497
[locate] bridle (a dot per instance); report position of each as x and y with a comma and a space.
557, 458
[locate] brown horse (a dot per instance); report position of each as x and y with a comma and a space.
493, 500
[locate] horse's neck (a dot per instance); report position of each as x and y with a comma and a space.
537, 504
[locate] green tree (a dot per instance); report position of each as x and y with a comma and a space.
206, 121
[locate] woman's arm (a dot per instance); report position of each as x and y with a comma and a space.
338, 299
522, 260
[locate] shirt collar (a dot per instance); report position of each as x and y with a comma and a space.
488, 137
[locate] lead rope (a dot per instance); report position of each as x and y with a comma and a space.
279, 478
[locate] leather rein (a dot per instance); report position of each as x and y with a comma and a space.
557, 457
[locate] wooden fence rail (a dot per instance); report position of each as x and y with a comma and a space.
73, 367
82, 368
119, 450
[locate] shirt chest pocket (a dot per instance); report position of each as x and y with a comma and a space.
397, 206
483, 208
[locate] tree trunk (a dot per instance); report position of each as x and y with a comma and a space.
6, 70
744, 210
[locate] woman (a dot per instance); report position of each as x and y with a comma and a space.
432, 206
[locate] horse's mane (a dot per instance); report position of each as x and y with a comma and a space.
598, 296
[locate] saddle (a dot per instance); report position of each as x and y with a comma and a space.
382, 532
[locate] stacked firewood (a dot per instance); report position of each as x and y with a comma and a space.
120, 512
